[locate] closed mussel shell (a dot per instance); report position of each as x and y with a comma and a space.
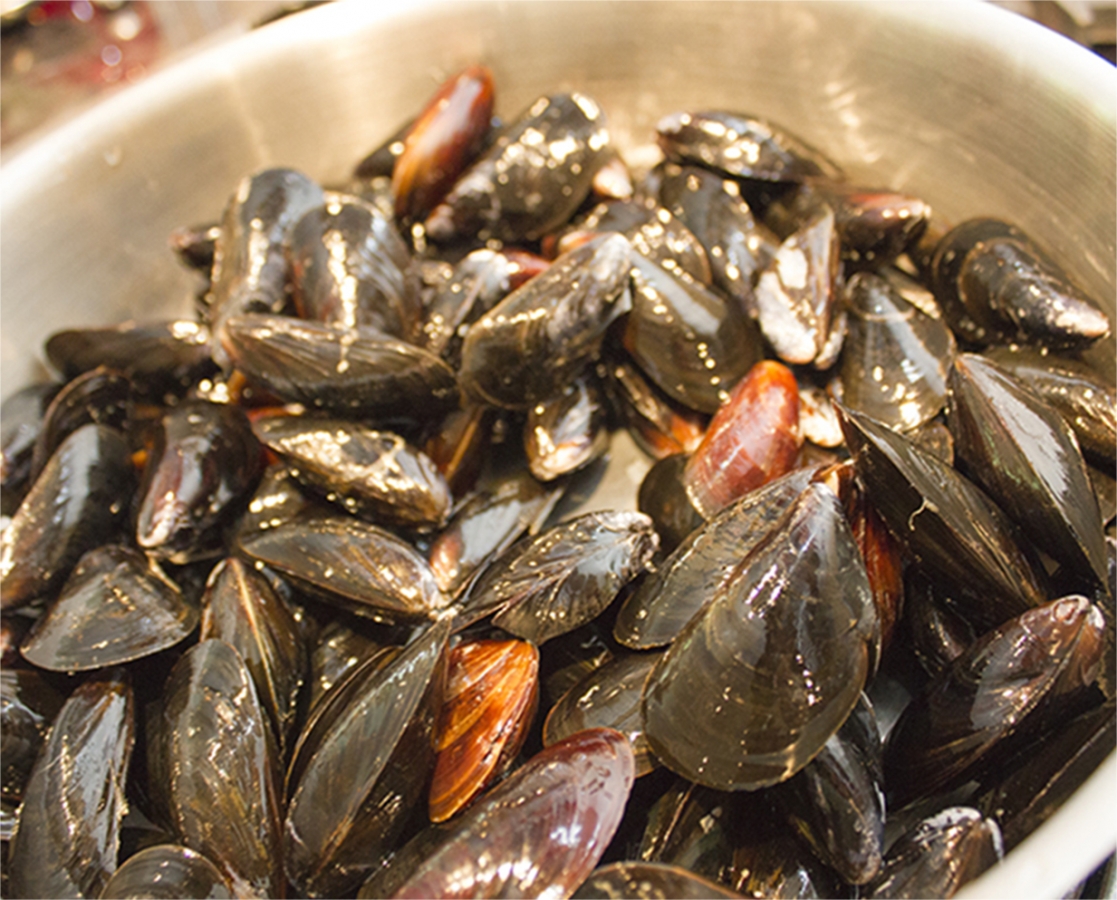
710, 704
354, 564
691, 342
694, 827
656, 612
369, 771
648, 881
117, 605
663, 497
21, 420
531, 344
214, 747
363, 469
943, 520
1025, 456
240, 608
895, 359
167, 872
546, 586
660, 426
354, 372
28, 705
608, 697
999, 692
82, 769
938, 633
567, 432
342, 645
77, 503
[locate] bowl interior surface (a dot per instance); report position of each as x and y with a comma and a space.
976, 110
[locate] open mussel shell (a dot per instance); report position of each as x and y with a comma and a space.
662, 604
518, 839
353, 372
167, 872
1025, 456
895, 359
648, 881
548, 585
938, 856
608, 697
369, 769
214, 752
82, 769
999, 692
365, 470
116, 606
354, 564
944, 521
531, 344
77, 503
532, 178
691, 342
241, 608
794, 628
28, 705
199, 476
492, 689
741, 145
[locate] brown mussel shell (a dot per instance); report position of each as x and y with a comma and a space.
944, 521
492, 688
648, 881
662, 604
366, 471
531, 344
369, 770
514, 840
216, 756
710, 704
997, 693
240, 608
117, 605
355, 372
354, 564
77, 503
548, 585
607, 697
1025, 456
167, 872
82, 769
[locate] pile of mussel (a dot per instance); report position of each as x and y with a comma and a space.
301, 595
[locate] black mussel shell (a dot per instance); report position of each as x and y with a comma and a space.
355, 372
837, 802
21, 420
663, 497
78, 502
249, 263
534, 176
199, 476
340, 646
691, 342
939, 634
359, 566
657, 611
278, 499
694, 827
938, 856
28, 706
347, 269
167, 872
194, 245
1025, 456
215, 760
998, 693
571, 657
545, 586
660, 426
607, 697
543, 334
117, 605
159, 358
369, 769
83, 770
741, 145
364, 470
788, 638
895, 359
875, 225
567, 432
648, 881
945, 521
240, 608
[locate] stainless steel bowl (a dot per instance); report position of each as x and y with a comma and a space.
973, 108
